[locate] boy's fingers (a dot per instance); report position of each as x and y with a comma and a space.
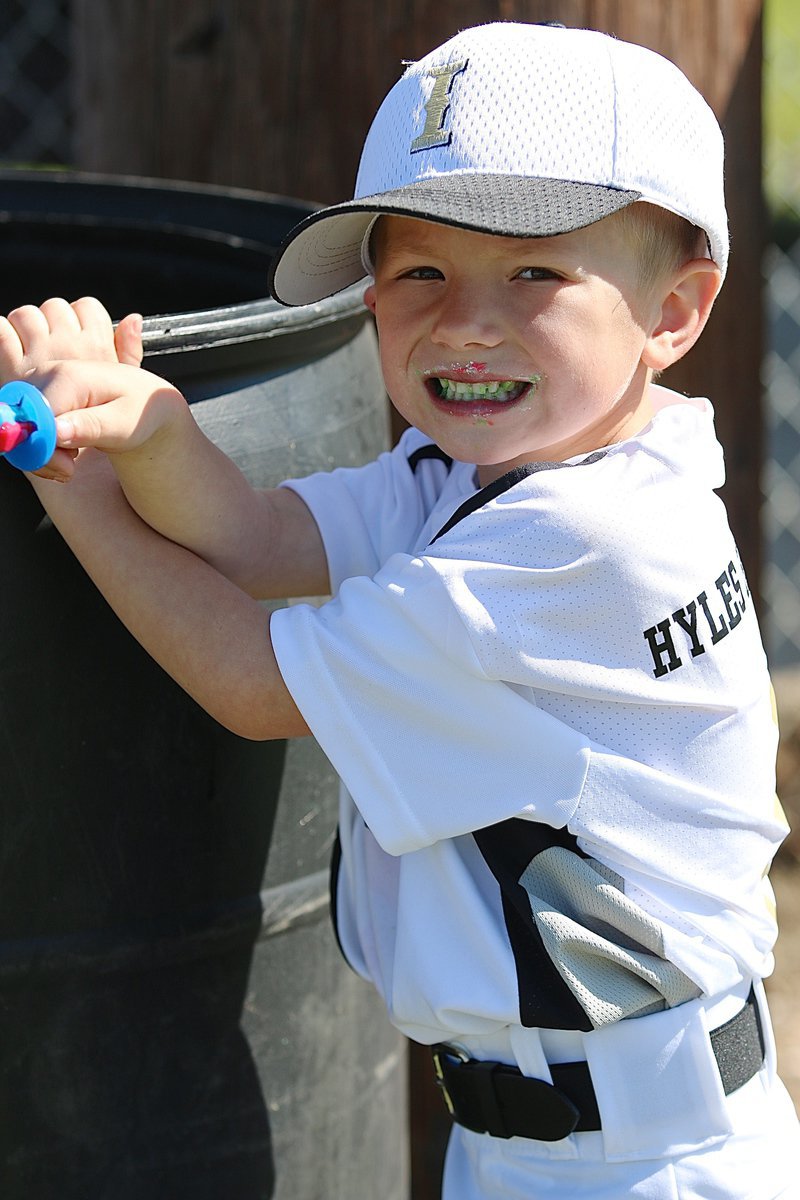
93, 317
31, 326
11, 351
60, 316
99, 404
113, 426
91, 329
62, 330
60, 468
88, 427
113, 406
128, 340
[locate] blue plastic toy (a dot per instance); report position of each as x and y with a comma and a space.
27, 426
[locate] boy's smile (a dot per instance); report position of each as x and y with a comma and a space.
508, 350
470, 387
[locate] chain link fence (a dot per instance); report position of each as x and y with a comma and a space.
35, 110
781, 372
36, 129
781, 473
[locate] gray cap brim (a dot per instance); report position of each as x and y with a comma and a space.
322, 255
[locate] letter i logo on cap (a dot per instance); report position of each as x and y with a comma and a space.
434, 133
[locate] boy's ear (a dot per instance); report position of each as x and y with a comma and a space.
369, 298
684, 311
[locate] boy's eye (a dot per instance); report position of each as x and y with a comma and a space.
536, 273
423, 273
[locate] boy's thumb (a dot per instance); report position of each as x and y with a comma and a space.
128, 340
84, 427
65, 431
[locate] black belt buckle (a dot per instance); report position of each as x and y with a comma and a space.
494, 1098
439, 1053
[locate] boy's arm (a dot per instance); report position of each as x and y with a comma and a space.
183, 485
204, 631
180, 483
210, 636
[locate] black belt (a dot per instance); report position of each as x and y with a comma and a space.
494, 1098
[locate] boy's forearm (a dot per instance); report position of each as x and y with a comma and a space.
178, 481
205, 632
185, 488
267, 543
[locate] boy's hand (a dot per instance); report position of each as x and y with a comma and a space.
31, 339
112, 406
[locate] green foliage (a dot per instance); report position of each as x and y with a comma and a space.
782, 115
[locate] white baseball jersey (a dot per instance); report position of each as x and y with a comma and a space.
550, 709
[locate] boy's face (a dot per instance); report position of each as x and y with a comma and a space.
508, 350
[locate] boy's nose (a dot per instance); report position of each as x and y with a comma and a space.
465, 318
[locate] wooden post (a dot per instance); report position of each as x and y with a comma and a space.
277, 96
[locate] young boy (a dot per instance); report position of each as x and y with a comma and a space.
540, 677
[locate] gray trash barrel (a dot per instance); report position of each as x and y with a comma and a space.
175, 1019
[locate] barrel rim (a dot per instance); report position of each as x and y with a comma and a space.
250, 321
106, 182
191, 329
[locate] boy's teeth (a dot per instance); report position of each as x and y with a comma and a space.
505, 390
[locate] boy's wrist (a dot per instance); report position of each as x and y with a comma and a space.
124, 412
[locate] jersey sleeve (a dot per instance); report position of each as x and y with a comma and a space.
426, 742
366, 514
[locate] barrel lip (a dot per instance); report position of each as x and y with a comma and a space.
101, 183
251, 321
212, 213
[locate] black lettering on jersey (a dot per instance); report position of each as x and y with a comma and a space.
686, 618
661, 646
733, 608
699, 623
738, 586
718, 632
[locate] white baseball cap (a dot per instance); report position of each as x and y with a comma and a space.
525, 131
